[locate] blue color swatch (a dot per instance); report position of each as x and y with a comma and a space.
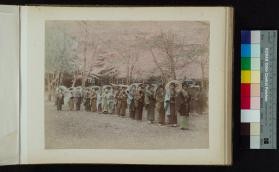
246, 50
245, 37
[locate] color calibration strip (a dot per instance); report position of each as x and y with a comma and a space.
258, 89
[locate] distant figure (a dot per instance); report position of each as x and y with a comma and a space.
93, 101
183, 106
99, 101
159, 96
131, 101
86, 103
117, 100
59, 100
71, 102
139, 103
169, 104
110, 102
105, 101
78, 99
150, 103
122, 102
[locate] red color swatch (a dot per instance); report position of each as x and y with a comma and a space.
245, 102
245, 90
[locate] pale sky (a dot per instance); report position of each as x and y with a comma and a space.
113, 38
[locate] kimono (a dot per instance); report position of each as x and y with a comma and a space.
105, 102
169, 105
110, 103
159, 96
183, 107
150, 104
93, 101
117, 102
77, 99
131, 103
99, 102
87, 102
71, 103
60, 101
122, 103
139, 103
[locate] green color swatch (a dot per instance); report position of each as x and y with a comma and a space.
245, 63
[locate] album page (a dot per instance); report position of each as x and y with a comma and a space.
126, 85
9, 79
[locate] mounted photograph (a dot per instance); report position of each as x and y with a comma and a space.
126, 84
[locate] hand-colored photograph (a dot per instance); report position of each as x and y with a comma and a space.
126, 84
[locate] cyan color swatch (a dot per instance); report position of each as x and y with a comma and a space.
255, 50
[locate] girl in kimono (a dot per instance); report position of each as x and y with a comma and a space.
110, 101
71, 102
122, 102
99, 101
60, 100
131, 101
87, 101
139, 103
105, 101
93, 101
169, 105
183, 106
117, 100
159, 96
78, 99
150, 103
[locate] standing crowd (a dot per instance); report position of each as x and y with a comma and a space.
169, 101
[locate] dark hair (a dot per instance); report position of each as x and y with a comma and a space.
172, 83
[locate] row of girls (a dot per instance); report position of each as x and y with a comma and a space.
168, 102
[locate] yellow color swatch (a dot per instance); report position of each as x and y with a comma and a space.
245, 76
255, 76
255, 128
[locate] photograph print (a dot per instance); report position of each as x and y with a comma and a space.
126, 84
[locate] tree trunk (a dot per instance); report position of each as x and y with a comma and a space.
74, 80
60, 81
84, 68
128, 74
172, 68
131, 73
83, 80
163, 75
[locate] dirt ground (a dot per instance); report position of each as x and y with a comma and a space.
88, 130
